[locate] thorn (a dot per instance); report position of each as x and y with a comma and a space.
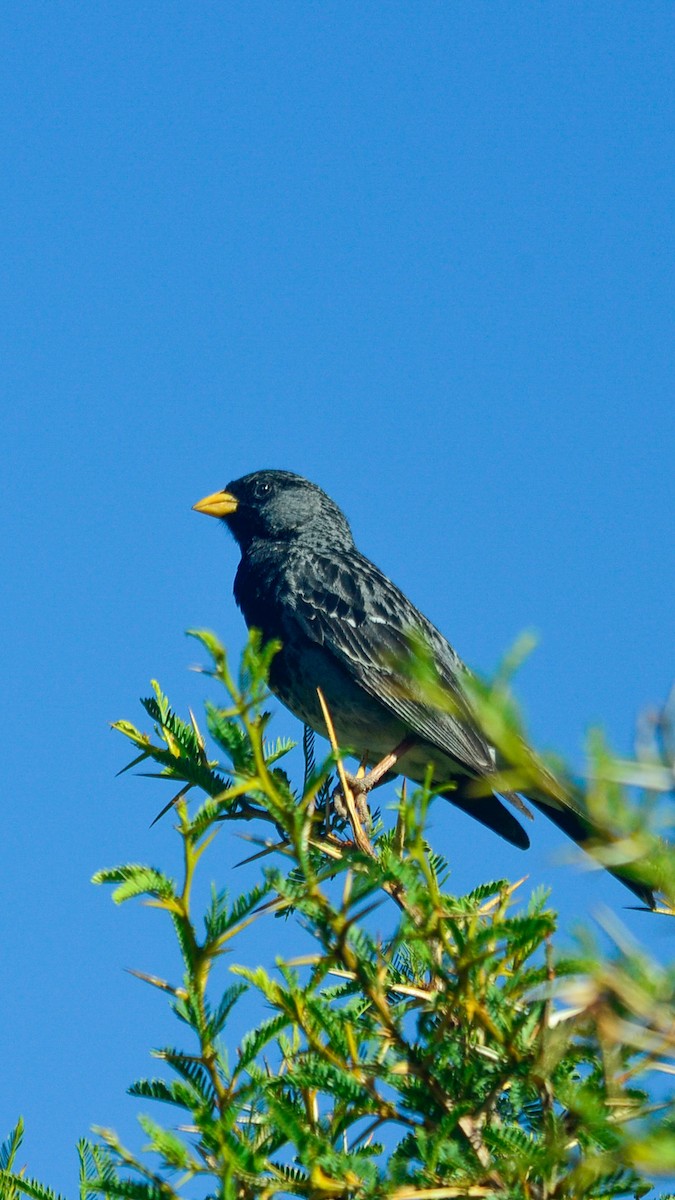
155, 981
171, 804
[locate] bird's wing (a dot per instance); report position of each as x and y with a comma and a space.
358, 615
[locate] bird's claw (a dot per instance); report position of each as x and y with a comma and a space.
364, 781
359, 788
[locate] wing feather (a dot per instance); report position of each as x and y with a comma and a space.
365, 622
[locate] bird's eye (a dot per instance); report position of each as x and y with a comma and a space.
263, 488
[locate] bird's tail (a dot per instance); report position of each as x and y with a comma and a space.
490, 811
566, 812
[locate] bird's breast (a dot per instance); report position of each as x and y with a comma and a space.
267, 592
362, 724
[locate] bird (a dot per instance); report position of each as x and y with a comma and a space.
345, 628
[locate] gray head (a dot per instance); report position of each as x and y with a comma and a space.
278, 506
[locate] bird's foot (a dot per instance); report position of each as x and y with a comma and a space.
364, 781
359, 789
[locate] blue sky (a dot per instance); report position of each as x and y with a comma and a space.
420, 253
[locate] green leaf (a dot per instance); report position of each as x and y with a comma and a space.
10, 1145
154, 1089
212, 644
221, 919
132, 1189
654, 1153
171, 1148
276, 750
96, 1169
193, 1071
218, 1018
231, 736
135, 879
11, 1185
254, 1041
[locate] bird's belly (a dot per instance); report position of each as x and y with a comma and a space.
362, 724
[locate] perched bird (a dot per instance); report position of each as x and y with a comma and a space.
345, 628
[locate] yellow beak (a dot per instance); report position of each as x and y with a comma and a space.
219, 504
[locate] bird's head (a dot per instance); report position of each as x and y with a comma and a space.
277, 506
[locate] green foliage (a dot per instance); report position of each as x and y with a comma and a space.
429, 1045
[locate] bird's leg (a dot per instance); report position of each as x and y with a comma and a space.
355, 782
364, 781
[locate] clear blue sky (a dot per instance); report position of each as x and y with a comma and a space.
421, 253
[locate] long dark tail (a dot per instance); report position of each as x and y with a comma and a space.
569, 817
562, 805
490, 811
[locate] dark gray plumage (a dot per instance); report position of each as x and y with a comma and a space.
344, 627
